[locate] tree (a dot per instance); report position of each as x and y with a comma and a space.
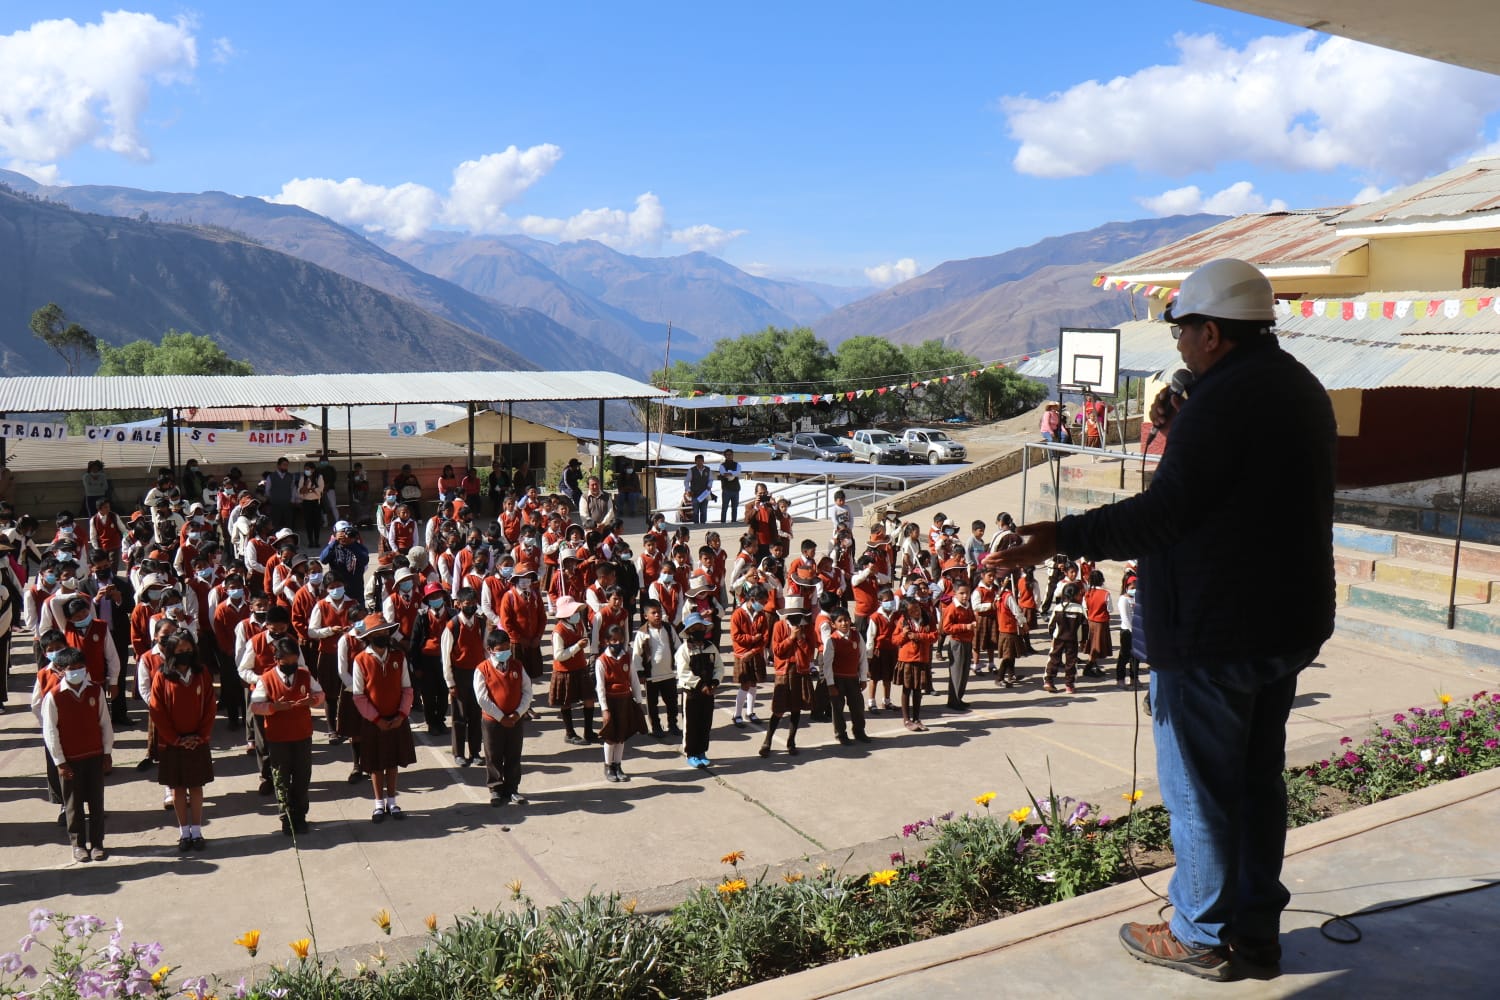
179, 353
72, 342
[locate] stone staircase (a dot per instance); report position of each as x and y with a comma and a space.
1393, 591
1392, 584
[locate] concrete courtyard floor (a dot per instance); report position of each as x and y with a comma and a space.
653, 838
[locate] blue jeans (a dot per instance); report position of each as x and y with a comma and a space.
700, 511
1220, 732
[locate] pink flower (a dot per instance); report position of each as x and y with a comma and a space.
1346, 741
1491, 744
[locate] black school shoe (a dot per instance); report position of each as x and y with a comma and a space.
1155, 944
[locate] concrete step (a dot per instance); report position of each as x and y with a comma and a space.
1352, 567
1110, 475
1389, 632
1481, 619
1371, 541
1417, 520
1475, 557
1434, 579
1085, 496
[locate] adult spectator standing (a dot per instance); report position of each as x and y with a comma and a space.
468, 487
499, 487
409, 491
698, 484
310, 493
571, 485
329, 473
1222, 683
95, 486
729, 488
280, 484
524, 479
359, 495
347, 557
627, 490
598, 506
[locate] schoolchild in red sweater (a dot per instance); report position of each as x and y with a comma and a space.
284, 698
78, 735
182, 707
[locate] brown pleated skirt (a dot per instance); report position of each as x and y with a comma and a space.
382, 749
913, 675
625, 720
883, 665
571, 687
1099, 644
792, 693
986, 632
750, 669
347, 721
177, 767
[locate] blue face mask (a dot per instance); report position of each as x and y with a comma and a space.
52, 655
237, 594
499, 656
85, 622
756, 607
506, 572
206, 575
435, 604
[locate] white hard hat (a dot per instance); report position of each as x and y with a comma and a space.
1225, 289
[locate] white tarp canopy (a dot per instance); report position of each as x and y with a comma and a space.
659, 452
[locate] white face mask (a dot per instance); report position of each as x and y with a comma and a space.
336, 593
75, 676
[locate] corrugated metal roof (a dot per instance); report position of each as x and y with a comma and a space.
1464, 190
378, 417
239, 414
51, 394
1300, 237
1415, 352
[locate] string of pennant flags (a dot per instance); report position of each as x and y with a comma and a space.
1349, 309
850, 395
1113, 284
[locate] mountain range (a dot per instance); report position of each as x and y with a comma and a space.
1014, 302
295, 291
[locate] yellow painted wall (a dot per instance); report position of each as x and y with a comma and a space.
1431, 263
491, 428
1346, 410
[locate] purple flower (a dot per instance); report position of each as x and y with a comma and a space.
1398, 718
10, 962
945, 817
914, 877
241, 990
910, 830
1079, 814
1346, 741
1467, 713
1445, 725
1420, 768
1488, 745
898, 857
1105, 821
82, 926
39, 920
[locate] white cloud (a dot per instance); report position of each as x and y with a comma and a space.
710, 239
483, 187
1288, 102
478, 199
1369, 193
1239, 198
69, 84
892, 273
404, 211
223, 51
43, 173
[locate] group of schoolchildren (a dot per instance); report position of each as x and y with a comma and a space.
447, 618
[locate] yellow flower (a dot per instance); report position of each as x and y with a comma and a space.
160, 975
985, 799
792, 878
824, 868
431, 923
732, 886
379, 955
732, 858
1019, 815
1445, 699
250, 941
299, 947
1132, 796
884, 877
629, 905
514, 885
382, 919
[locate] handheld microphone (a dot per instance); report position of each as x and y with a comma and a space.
1181, 386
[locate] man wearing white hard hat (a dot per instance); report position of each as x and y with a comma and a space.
1222, 682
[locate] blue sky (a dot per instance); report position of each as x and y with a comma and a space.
827, 141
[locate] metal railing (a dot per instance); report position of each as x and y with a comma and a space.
1055, 450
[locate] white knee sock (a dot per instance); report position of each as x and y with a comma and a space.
750, 702
739, 703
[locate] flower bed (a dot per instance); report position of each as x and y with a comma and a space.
957, 870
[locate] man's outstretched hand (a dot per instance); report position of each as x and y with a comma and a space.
1040, 545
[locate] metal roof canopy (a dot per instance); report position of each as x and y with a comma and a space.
52, 394
591, 434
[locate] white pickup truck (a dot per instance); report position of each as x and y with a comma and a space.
935, 445
879, 448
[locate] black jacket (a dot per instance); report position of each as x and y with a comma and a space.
1235, 533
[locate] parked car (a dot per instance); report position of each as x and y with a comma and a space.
936, 445
879, 448
819, 447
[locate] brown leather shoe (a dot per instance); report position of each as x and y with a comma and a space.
1156, 945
